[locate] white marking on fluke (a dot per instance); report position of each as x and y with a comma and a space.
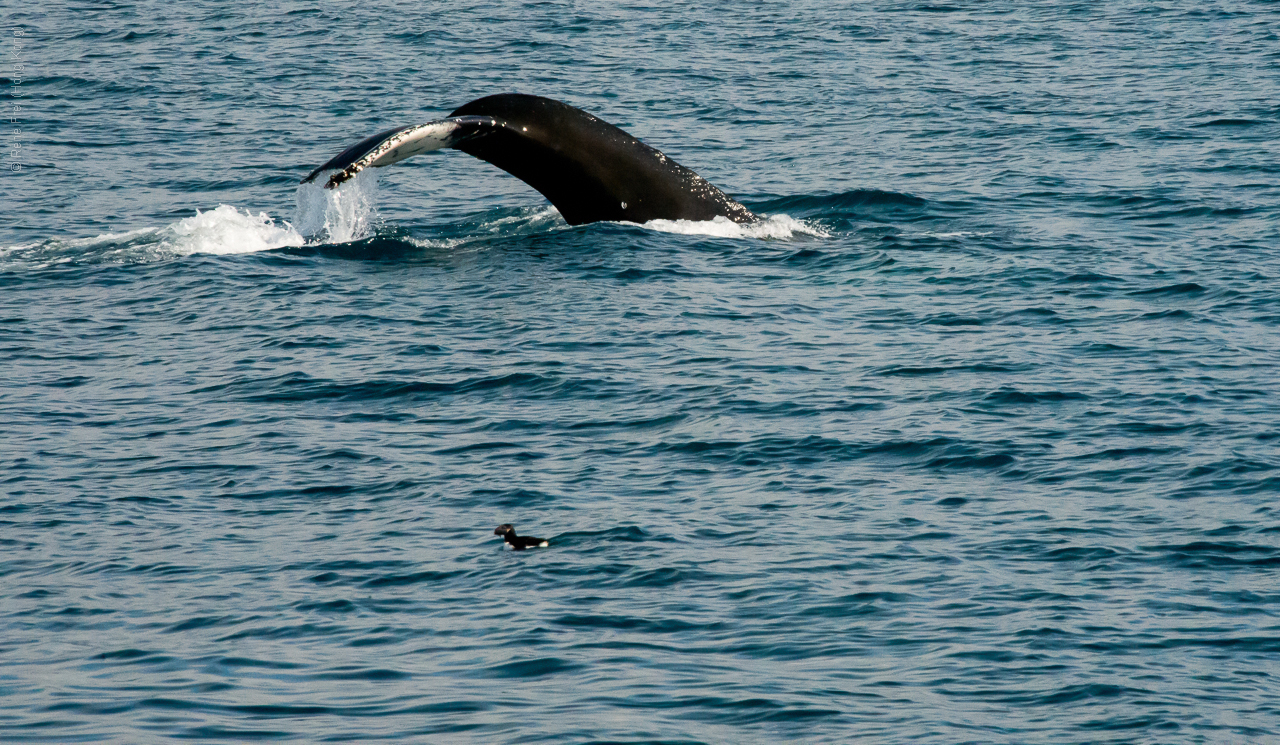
410, 141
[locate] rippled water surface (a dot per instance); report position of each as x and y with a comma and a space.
974, 439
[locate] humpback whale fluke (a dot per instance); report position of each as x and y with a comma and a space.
589, 169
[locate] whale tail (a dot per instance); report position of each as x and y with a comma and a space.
589, 169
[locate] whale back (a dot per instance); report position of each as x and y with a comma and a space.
589, 169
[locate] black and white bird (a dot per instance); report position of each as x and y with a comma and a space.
518, 542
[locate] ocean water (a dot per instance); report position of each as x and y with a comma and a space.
976, 438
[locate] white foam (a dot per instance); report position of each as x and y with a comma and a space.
434, 243
19, 248
225, 230
347, 213
774, 227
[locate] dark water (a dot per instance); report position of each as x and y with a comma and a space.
975, 440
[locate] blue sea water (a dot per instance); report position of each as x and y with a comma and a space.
975, 439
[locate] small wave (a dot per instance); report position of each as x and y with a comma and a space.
323, 216
1183, 288
856, 202
223, 230
101, 240
955, 234
45, 253
500, 223
774, 227
1230, 123
542, 217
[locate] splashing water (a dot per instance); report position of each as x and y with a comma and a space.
227, 230
340, 215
